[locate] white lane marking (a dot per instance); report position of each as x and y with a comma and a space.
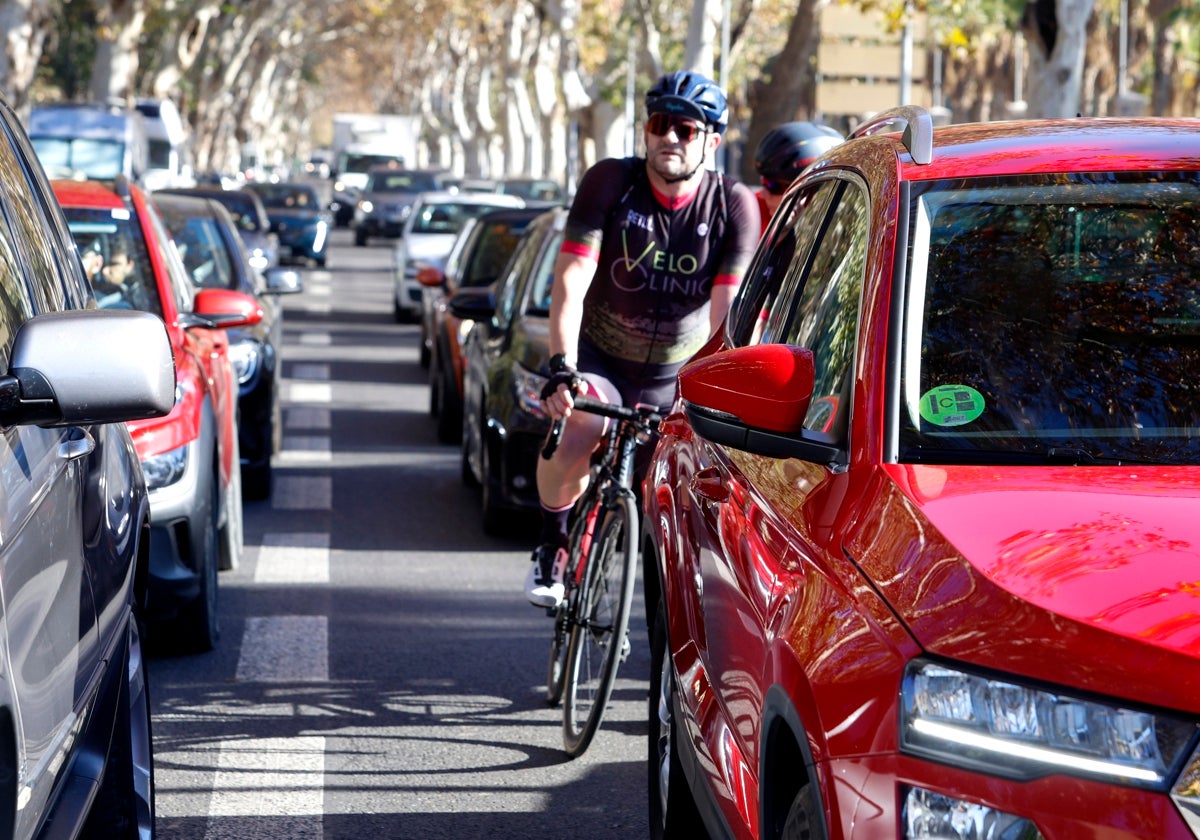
310, 392
317, 419
279, 778
316, 339
284, 648
306, 449
311, 372
294, 492
295, 558
317, 308
320, 290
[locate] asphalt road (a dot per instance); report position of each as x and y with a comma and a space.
379, 673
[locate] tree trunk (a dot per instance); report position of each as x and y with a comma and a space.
119, 28
790, 91
1056, 31
24, 24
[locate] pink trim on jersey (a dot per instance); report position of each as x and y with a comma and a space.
579, 249
674, 202
727, 280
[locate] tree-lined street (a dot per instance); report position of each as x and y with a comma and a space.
380, 673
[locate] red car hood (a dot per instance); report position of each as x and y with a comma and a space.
1085, 575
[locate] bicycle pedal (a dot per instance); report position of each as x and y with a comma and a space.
626, 648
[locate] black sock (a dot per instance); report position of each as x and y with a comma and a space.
554, 526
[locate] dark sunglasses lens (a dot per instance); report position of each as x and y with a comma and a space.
660, 124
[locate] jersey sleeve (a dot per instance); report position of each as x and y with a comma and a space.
600, 190
741, 237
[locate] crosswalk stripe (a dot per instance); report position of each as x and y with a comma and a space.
280, 781
284, 648
295, 558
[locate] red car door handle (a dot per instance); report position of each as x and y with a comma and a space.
708, 484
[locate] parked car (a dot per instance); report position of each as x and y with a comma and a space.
429, 233
921, 530
478, 257
215, 258
74, 528
535, 191
190, 456
384, 203
504, 368
298, 218
250, 216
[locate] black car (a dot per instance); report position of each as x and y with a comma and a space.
249, 215
387, 199
74, 527
298, 218
504, 369
479, 255
215, 257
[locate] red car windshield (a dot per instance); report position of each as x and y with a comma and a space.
1054, 317
115, 259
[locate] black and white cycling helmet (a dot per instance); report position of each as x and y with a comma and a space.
785, 150
691, 95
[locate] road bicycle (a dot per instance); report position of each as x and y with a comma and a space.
590, 625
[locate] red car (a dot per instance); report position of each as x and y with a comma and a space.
921, 550
189, 457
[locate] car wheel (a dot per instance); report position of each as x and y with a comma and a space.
124, 804
804, 820
672, 810
494, 519
398, 313
256, 481
435, 384
360, 238
233, 531
449, 408
424, 345
469, 438
198, 625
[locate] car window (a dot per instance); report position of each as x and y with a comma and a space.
1053, 313
200, 247
541, 283
15, 305
401, 181
493, 246
121, 275
780, 265
522, 263
30, 225
243, 209
819, 311
76, 294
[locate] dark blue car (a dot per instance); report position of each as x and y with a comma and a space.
298, 218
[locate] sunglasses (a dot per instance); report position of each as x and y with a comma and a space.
660, 124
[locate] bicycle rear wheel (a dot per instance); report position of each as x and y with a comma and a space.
598, 636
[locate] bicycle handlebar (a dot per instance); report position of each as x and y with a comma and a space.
615, 412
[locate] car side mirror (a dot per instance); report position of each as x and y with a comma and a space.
756, 399
223, 308
430, 276
472, 304
283, 281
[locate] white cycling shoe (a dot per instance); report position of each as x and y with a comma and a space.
544, 581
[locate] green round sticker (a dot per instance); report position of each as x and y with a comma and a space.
951, 405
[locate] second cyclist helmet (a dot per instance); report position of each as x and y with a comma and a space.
785, 150
692, 95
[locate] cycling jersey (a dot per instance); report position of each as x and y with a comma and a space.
647, 309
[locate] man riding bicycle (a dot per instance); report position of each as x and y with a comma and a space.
655, 248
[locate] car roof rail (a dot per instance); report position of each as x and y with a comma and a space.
917, 123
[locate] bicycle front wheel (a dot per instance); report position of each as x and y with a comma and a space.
598, 640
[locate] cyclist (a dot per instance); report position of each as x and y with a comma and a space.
655, 248
782, 154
